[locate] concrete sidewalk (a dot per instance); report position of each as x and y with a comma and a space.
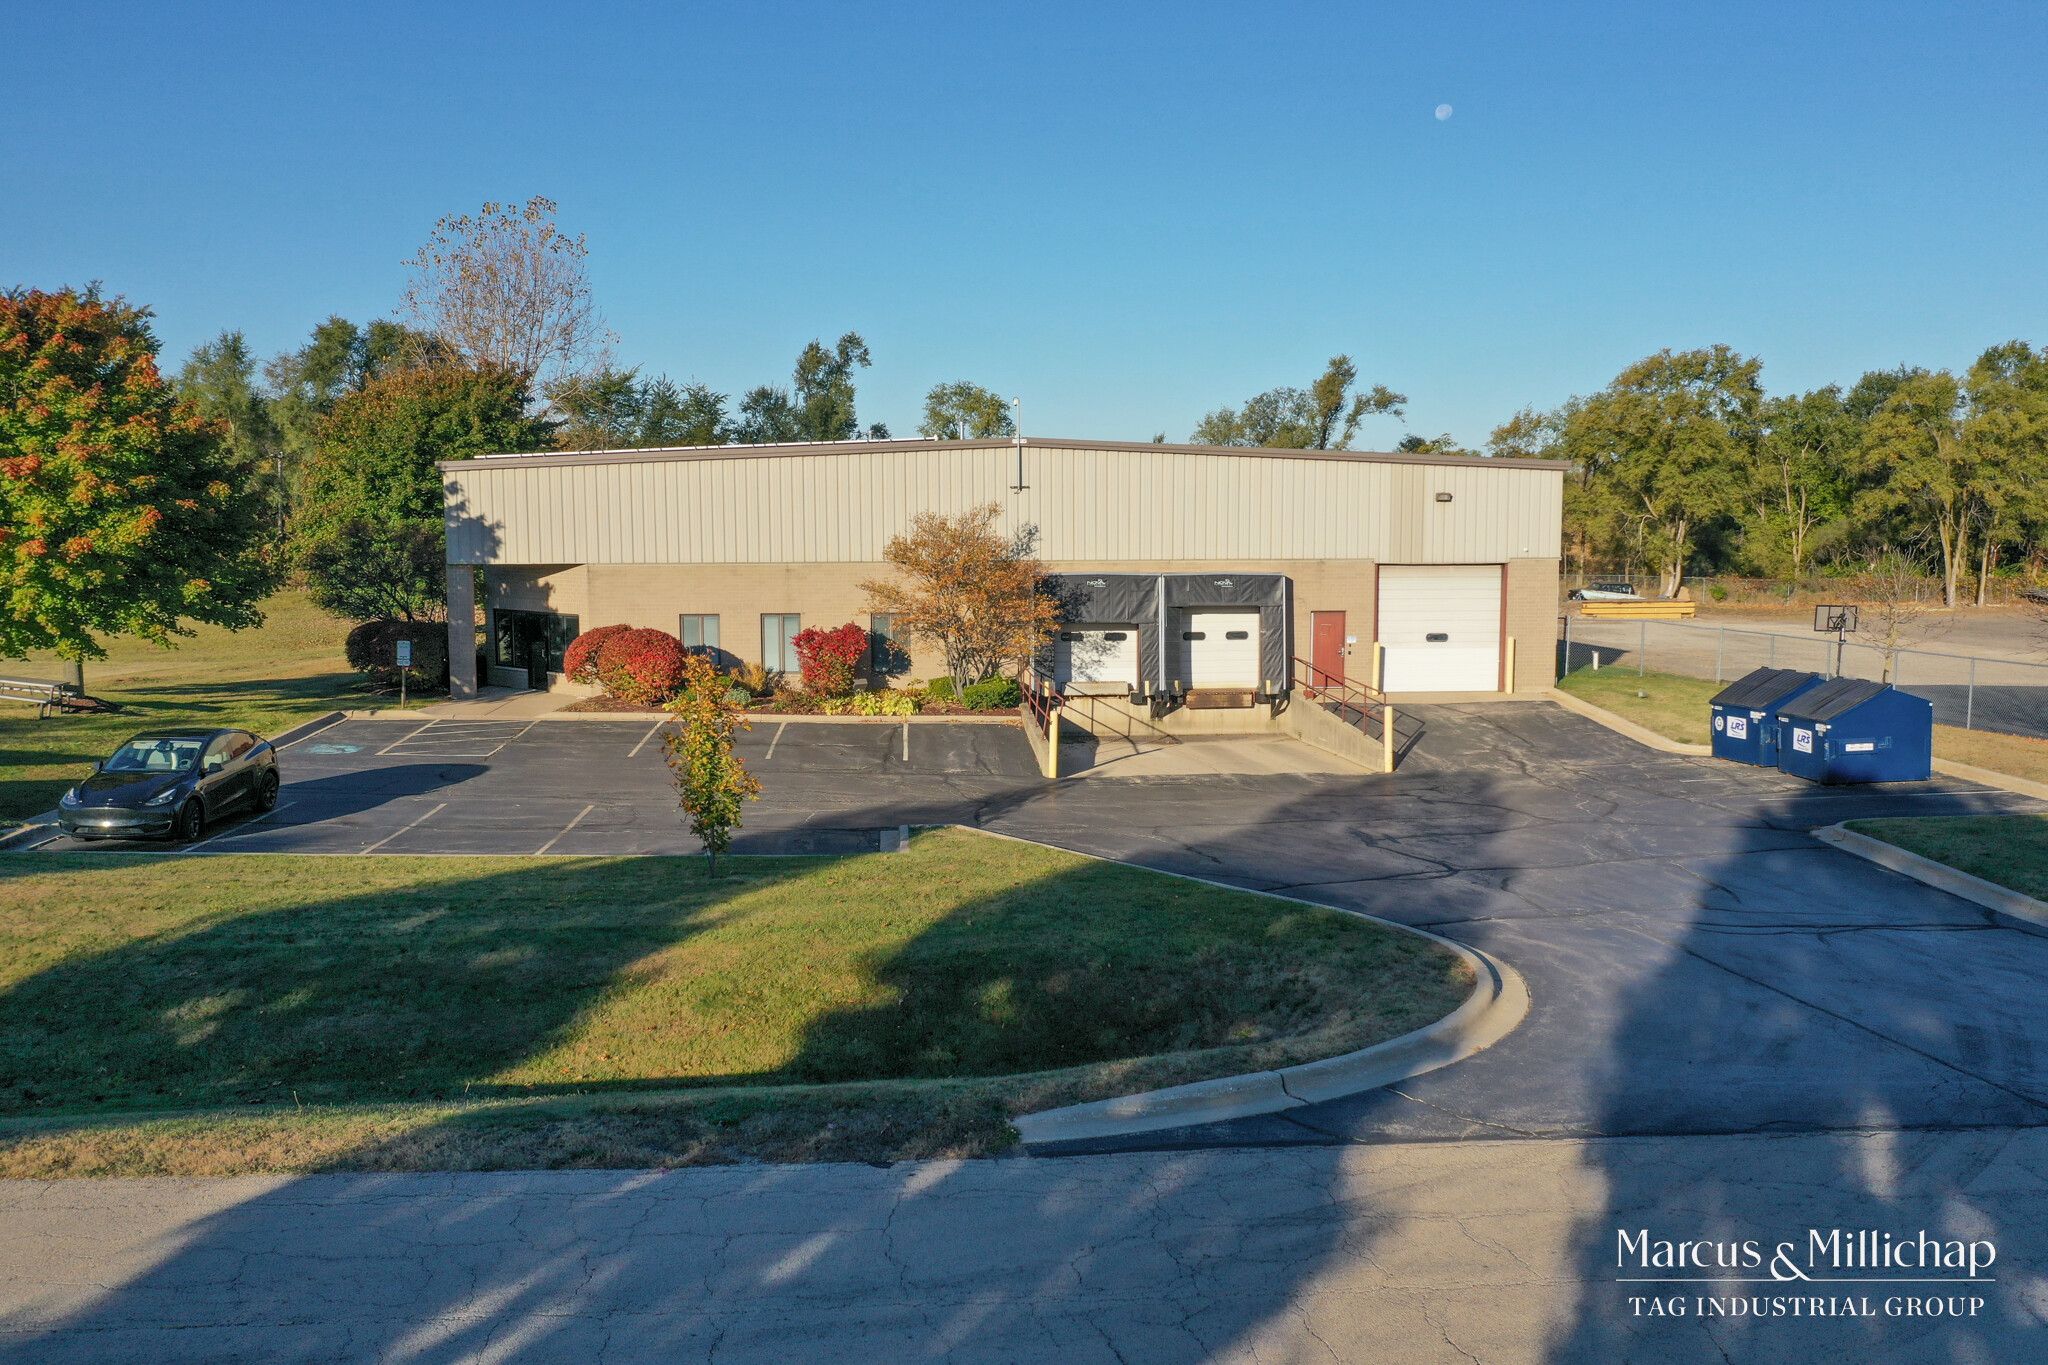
1499, 1252
490, 703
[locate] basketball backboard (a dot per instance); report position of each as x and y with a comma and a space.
1836, 618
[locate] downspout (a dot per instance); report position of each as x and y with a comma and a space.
1160, 600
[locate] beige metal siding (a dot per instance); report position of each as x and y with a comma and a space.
1105, 505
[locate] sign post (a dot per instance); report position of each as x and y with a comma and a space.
1839, 620
404, 669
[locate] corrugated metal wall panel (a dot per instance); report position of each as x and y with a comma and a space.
1091, 505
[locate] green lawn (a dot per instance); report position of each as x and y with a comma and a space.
425, 1007
1676, 707
2011, 850
1673, 706
269, 679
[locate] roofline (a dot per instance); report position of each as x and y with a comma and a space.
555, 459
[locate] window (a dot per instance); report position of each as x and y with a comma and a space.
239, 744
699, 634
778, 643
886, 641
514, 633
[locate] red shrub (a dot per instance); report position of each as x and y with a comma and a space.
644, 666
829, 657
579, 661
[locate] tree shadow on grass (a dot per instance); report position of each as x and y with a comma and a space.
453, 983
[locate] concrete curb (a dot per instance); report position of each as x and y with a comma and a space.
1940, 876
1625, 727
2019, 786
1499, 1001
756, 719
307, 729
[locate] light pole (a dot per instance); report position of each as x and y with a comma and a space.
1017, 439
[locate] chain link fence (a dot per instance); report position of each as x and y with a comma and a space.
1970, 691
1999, 591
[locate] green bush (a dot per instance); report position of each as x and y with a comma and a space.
993, 694
939, 689
1717, 592
872, 704
372, 648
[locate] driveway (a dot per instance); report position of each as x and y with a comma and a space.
1737, 1033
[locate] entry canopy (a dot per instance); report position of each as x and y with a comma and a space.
1762, 689
1831, 699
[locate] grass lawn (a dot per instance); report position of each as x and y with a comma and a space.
2011, 850
1676, 708
269, 679
380, 1013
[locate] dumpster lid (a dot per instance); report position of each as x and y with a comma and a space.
1763, 687
1831, 699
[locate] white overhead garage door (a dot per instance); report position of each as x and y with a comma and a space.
1440, 624
1097, 658
1221, 649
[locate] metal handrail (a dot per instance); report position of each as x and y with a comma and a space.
1321, 685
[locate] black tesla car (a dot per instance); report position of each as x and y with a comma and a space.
171, 783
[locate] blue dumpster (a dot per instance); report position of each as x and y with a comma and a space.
1746, 713
1850, 730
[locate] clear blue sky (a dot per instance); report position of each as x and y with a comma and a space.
1126, 214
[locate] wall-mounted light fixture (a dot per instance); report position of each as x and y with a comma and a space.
1443, 497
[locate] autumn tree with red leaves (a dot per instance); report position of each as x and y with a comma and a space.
120, 513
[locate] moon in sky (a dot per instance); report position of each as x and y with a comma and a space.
1443, 111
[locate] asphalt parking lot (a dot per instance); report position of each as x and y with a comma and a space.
601, 787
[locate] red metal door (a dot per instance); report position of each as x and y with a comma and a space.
1326, 649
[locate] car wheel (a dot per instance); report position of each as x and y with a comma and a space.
266, 792
191, 823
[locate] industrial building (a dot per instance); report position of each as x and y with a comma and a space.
1246, 565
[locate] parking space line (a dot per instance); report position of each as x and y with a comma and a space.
906, 741
235, 829
566, 828
650, 735
775, 741
396, 742
396, 832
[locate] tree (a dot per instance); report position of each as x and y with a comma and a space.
1924, 463
969, 590
616, 410
1316, 418
818, 407
824, 389
305, 384
1801, 481
1889, 591
376, 451
2008, 423
120, 509
219, 380
711, 782
965, 412
1665, 448
599, 411
367, 570
681, 415
507, 290
1445, 444
766, 417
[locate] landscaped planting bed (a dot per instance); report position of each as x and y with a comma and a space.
162, 1014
